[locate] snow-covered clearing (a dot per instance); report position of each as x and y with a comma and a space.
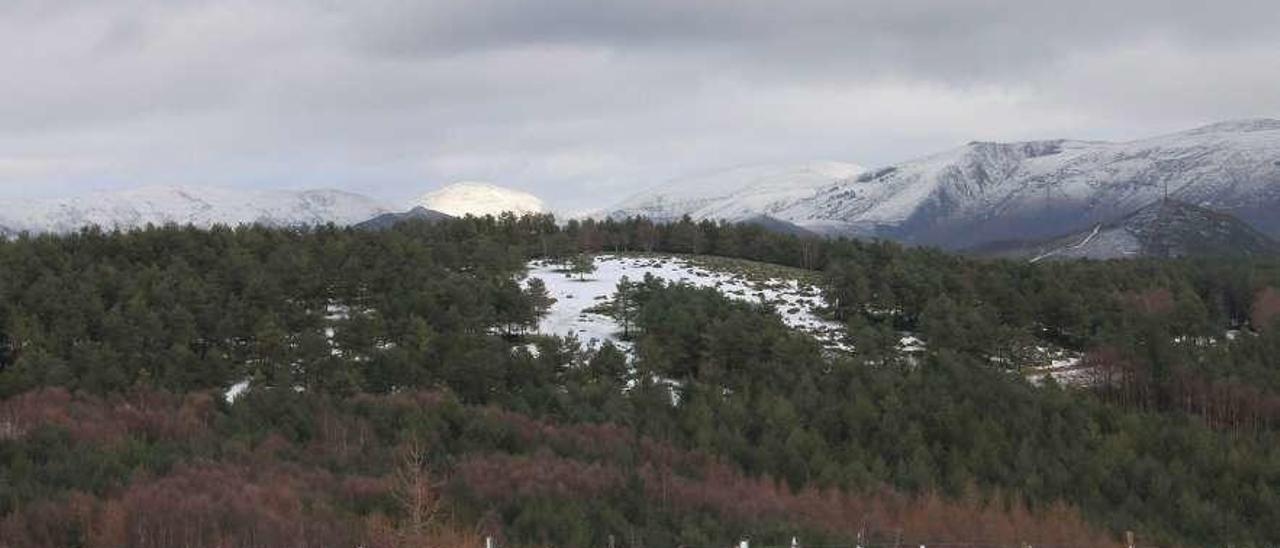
1065, 369
798, 303
1068, 367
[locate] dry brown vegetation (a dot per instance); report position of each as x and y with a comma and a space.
261, 498
682, 481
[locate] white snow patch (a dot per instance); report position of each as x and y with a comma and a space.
236, 391
335, 311
797, 304
910, 344
531, 348
1080, 245
1064, 367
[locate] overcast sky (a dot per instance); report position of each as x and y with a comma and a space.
582, 101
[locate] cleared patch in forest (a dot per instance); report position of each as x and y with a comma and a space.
791, 292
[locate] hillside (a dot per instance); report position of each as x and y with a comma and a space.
390, 219
779, 226
1162, 229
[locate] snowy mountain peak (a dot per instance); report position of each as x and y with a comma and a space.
737, 194
479, 199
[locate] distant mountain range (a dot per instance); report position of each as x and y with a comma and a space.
198, 206
1167, 228
979, 196
989, 192
203, 206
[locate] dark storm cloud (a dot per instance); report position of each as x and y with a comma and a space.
939, 38
578, 99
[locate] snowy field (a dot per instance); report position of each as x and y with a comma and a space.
797, 303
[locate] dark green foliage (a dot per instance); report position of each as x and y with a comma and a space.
186, 309
358, 343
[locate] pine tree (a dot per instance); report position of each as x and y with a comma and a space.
625, 305
582, 264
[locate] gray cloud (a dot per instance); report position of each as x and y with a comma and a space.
579, 100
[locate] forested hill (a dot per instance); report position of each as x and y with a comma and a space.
395, 395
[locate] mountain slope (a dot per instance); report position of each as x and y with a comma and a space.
1163, 229
199, 206
736, 194
479, 199
985, 192
779, 226
388, 220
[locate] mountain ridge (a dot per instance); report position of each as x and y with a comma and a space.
983, 192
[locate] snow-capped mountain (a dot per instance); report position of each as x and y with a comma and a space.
985, 192
1167, 228
199, 206
736, 194
475, 198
